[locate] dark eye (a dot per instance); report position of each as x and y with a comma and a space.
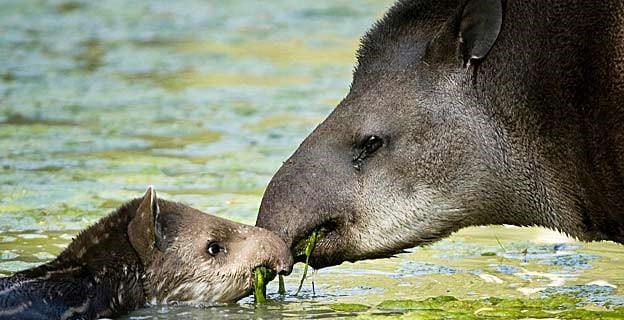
213, 249
367, 148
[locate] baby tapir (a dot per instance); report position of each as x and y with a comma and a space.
148, 251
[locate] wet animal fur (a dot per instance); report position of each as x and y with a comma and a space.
147, 251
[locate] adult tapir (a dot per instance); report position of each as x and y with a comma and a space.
465, 113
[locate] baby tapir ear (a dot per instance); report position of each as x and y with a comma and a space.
470, 34
145, 231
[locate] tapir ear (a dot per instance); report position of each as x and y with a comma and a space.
480, 25
470, 34
144, 230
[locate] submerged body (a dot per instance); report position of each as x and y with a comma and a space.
463, 113
148, 251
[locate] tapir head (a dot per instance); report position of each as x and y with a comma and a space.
405, 158
193, 257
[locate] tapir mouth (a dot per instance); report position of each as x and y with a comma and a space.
325, 246
338, 245
269, 276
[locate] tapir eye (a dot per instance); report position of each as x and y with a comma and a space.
372, 144
214, 248
365, 149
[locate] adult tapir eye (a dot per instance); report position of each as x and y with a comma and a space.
372, 144
214, 249
365, 149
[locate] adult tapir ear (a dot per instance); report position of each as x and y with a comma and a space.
480, 25
144, 230
470, 34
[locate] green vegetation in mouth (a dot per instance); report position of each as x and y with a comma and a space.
261, 274
305, 247
282, 288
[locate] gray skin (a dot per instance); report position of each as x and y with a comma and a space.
149, 251
465, 113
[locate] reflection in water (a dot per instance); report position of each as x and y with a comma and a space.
204, 99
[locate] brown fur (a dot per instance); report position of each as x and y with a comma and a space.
148, 251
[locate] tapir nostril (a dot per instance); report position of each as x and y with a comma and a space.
285, 265
285, 270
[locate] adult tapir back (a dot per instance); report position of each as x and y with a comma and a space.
465, 113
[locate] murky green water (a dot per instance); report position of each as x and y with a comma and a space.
204, 99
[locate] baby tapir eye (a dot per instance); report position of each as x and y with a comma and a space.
365, 149
214, 248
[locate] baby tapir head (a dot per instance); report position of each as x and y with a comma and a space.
193, 257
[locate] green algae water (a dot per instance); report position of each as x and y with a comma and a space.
204, 100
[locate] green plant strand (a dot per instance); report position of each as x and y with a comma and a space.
308, 252
260, 275
282, 288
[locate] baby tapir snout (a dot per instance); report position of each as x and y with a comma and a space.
268, 249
